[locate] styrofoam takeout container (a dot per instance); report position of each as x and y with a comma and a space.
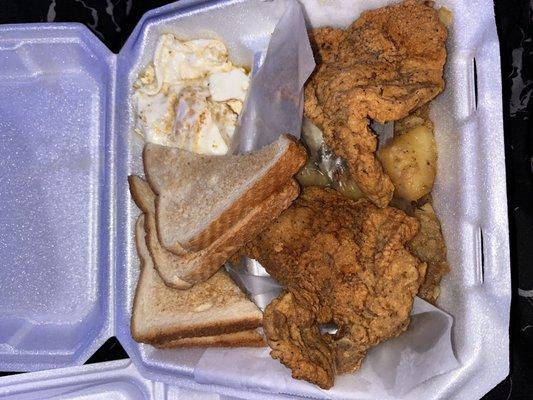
66, 147
112, 380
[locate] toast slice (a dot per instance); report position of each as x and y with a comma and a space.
250, 338
144, 197
142, 194
183, 270
200, 197
162, 314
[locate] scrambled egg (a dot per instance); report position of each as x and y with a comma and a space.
190, 96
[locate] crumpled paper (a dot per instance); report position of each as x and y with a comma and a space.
392, 368
274, 106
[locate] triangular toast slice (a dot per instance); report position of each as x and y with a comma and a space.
162, 314
199, 197
184, 269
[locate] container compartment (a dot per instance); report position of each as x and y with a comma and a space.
246, 41
469, 195
113, 380
53, 123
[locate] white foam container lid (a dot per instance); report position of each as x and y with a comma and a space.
112, 380
69, 266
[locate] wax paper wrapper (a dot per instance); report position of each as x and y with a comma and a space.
390, 369
274, 106
274, 103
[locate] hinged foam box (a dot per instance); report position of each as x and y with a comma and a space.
68, 265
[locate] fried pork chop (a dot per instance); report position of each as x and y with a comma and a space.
342, 262
386, 64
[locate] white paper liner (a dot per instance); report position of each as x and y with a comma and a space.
274, 103
392, 368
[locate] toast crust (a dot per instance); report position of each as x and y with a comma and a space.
142, 194
249, 338
160, 337
248, 228
278, 174
139, 223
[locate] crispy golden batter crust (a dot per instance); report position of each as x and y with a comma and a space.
386, 64
428, 245
342, 262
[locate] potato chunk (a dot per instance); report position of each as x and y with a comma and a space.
411, 162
